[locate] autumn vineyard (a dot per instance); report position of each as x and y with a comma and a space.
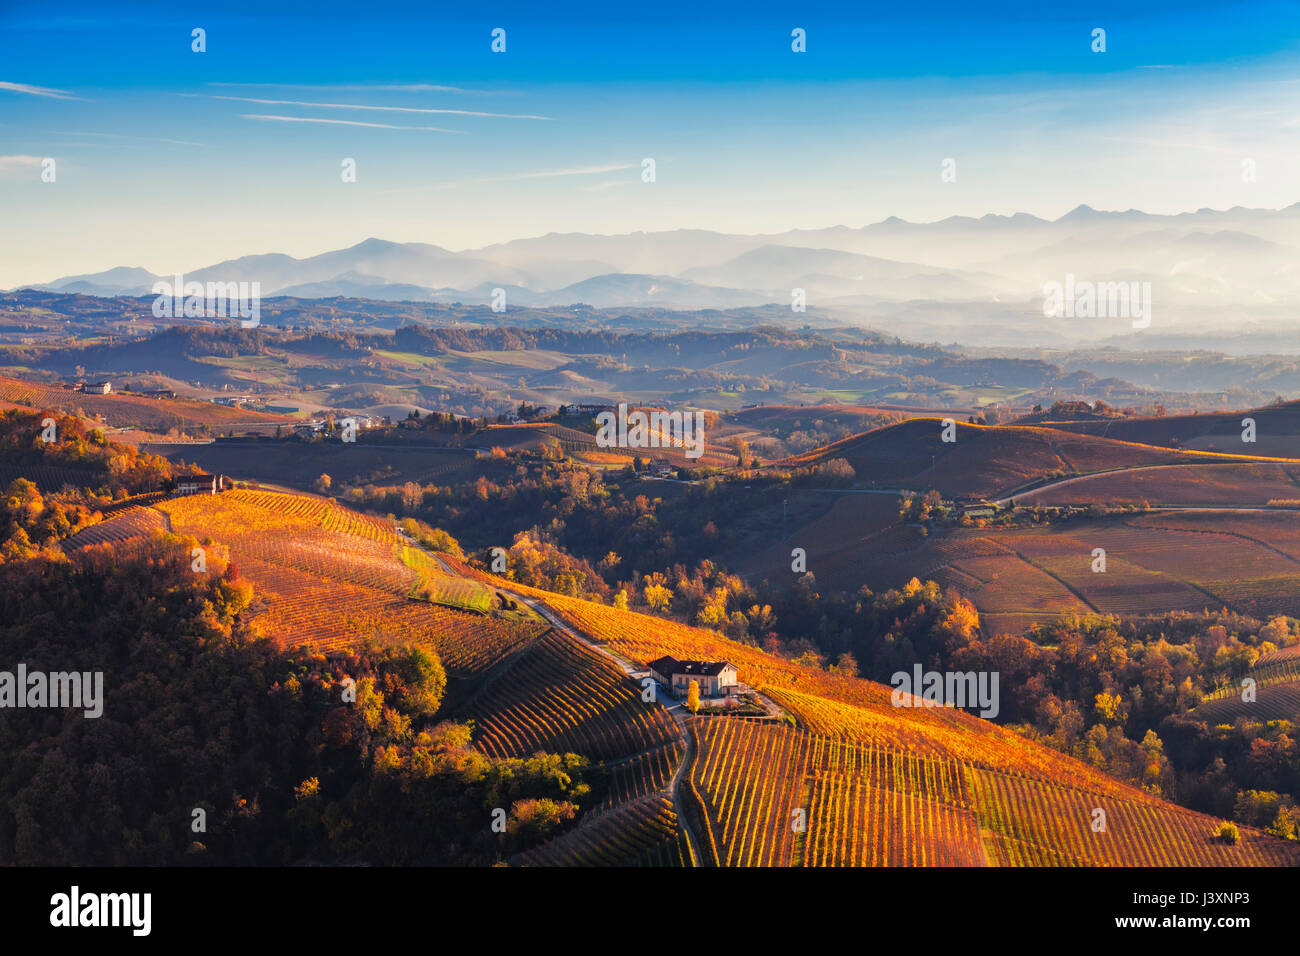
833, 775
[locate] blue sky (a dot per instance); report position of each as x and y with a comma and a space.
171, 159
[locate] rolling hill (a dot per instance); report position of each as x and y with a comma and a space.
124, 410
843, 778
990, 460
1277, 430
858, 781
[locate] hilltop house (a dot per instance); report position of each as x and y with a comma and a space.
578, 410
201, 484
97, 388
716, 678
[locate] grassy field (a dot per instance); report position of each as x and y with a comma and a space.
432, 585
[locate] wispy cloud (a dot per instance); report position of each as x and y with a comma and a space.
17, 167
31, 90
146, 139
366, 87
334, 122
577, 171
358, 106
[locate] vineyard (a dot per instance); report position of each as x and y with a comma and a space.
643, 774
52, 478
330, 614
559, 695
1279, 701
639, 833
125, 410
329, 577
1189, 484
136, 521
782, 797
304, 534
997, 459
834, 542
1155, 563
1277, 691
1035, 823
852, 780
1267, 671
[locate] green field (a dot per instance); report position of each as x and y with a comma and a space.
436, 587
413, 358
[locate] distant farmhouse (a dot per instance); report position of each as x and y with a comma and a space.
716, 678
97, 388
201, 484
974, 507
577, 411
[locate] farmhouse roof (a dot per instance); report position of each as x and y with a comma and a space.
668, 666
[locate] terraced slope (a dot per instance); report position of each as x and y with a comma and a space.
1276, 691
875, 784
638, 833
558, 695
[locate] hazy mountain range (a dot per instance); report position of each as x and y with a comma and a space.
1208, 270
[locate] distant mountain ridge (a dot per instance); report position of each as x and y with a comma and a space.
1199, 260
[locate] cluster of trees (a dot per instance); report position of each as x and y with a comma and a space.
66, 442
581, 510
30, 522
217, 747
